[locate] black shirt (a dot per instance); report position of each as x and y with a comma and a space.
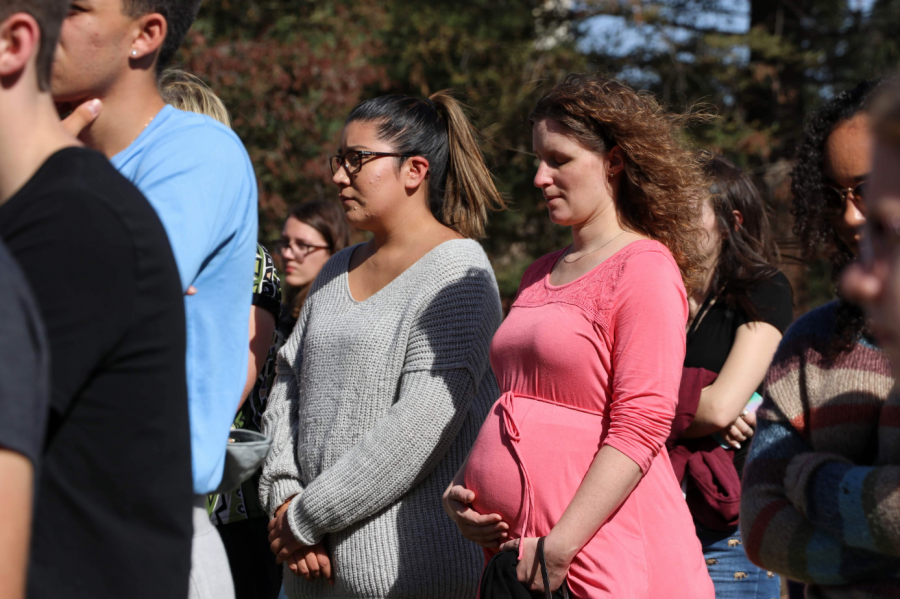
710, 341
114, 509
24, 364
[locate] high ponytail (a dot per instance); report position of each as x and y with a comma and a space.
469, 191
461, 190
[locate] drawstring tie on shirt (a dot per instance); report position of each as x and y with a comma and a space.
511, 430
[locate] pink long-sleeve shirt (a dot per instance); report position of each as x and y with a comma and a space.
594, 362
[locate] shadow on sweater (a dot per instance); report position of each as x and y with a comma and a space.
429, 541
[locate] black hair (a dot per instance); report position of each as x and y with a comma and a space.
179, 15
49, 15
460, 187
815, 208
747, 250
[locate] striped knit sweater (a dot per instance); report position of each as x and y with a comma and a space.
821, 487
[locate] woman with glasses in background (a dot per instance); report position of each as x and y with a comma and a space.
383, 384
312, 233
826, 386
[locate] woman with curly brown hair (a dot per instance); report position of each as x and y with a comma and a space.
567, 469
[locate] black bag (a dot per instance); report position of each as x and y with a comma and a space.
499, 581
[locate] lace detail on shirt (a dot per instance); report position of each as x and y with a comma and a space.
595, 292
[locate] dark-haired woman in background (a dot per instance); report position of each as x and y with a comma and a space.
737, 318
382, 386
312, 233
826, 386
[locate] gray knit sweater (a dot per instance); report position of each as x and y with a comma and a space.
375, 406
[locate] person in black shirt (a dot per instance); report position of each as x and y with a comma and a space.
737, 319
113, 516
24, 372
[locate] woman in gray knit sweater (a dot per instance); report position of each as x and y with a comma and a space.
385, 381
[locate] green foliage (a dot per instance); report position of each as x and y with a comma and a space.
291, 70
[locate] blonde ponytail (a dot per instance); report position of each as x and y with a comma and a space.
469, 192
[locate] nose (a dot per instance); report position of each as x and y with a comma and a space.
852, 215
542, 177
340, 177
863, 285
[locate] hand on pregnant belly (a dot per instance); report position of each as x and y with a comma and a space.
488, 530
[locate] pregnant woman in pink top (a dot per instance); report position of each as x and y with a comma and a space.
589, 361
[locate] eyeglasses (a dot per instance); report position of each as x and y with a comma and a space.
352, 160
856, 194
299, 248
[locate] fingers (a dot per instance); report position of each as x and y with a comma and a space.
286, 550
512, 545
312, 564
191, 290
488, 530
324, 561
82, 117
302, 568
749, 418
466, 515
744, 428
461, 494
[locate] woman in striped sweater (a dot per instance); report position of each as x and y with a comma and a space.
809, 510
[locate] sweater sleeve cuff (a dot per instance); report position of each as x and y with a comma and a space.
799, 474
304, 530
281, 491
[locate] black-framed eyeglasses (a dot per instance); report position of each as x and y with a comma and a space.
299, 248
855, 194
352, 160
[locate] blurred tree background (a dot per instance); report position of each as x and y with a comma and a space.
291, 70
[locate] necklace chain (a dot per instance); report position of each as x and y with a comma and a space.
566, 257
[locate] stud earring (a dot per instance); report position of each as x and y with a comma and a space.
134, 52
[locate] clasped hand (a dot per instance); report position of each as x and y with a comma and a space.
309, 562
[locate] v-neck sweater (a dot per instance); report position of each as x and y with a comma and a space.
374, 408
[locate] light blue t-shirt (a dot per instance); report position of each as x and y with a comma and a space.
197, 175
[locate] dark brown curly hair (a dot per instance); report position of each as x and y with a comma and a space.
664, 185
815, 208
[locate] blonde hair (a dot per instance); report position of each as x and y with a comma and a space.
188, 92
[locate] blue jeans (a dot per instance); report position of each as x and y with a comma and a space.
733, 575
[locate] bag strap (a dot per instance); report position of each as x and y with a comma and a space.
545, 577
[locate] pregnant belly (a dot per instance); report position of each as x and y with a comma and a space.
556, 445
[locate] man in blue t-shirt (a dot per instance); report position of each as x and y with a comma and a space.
197, 175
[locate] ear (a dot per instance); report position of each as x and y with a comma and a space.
415, 171
20, 38
738, 220
615, 160
150, 33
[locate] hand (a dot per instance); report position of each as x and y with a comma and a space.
281, 539
191, 290
83, 115
741, 430
487, 531
311, 563
528, 572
